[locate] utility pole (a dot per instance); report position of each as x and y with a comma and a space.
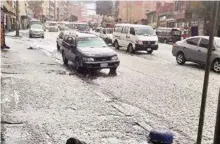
207, 70
217, 126
17, 18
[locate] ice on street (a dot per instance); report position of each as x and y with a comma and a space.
109, 72
151, 91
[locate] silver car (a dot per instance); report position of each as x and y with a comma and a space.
36, 30
194, 49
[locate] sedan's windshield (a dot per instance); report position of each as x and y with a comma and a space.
144, 31
37, 26
52, 24
90, 42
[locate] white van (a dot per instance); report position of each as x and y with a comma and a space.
135, 37
106, 34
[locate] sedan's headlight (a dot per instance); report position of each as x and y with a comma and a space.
88, 59
114, 58
156, 42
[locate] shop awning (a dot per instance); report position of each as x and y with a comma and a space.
8, 7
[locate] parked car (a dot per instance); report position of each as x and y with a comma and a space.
135, 37
88, 51
167, 35
194, 49
106, 34
36, 30
52, 26
82, 27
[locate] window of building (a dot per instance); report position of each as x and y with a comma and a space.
193, 41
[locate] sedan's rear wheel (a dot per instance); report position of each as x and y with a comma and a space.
65, 61
116, 45
180, 58
216, 66
58, 47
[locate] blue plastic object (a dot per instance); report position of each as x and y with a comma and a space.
162, 136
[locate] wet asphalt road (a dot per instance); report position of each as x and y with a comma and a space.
46, 102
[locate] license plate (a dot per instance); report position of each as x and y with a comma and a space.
149, 49
104, 64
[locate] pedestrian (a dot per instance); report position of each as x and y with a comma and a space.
74, 141
3, 45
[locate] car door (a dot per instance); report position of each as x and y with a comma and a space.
123, 36
117, 34
72, 50
60, 38
68, 47
191, 48
130, 37
203, 49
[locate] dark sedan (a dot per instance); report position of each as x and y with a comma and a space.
88, 51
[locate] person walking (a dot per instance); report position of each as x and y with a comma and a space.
3, 44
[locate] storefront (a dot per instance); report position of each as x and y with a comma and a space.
9, 16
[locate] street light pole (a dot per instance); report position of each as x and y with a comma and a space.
17, 18
207, 70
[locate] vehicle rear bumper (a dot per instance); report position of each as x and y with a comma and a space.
37, 35
101, 65
145, 47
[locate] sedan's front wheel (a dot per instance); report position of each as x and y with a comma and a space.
216, 66
58, 47
78, 67
180, 58
113, 70
149, 51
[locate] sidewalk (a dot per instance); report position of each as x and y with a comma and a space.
42, 103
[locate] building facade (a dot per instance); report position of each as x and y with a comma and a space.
131, 11
9, 15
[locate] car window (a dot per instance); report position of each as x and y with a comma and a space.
176, 32
90, 42
204, 43
132, 31
52, 24
118, 29
70, 40
144, 31
109, 31
65, 38
61, 35
125, 30
193, 41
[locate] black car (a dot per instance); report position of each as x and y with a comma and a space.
88, 52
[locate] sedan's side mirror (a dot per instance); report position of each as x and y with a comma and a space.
73, 47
